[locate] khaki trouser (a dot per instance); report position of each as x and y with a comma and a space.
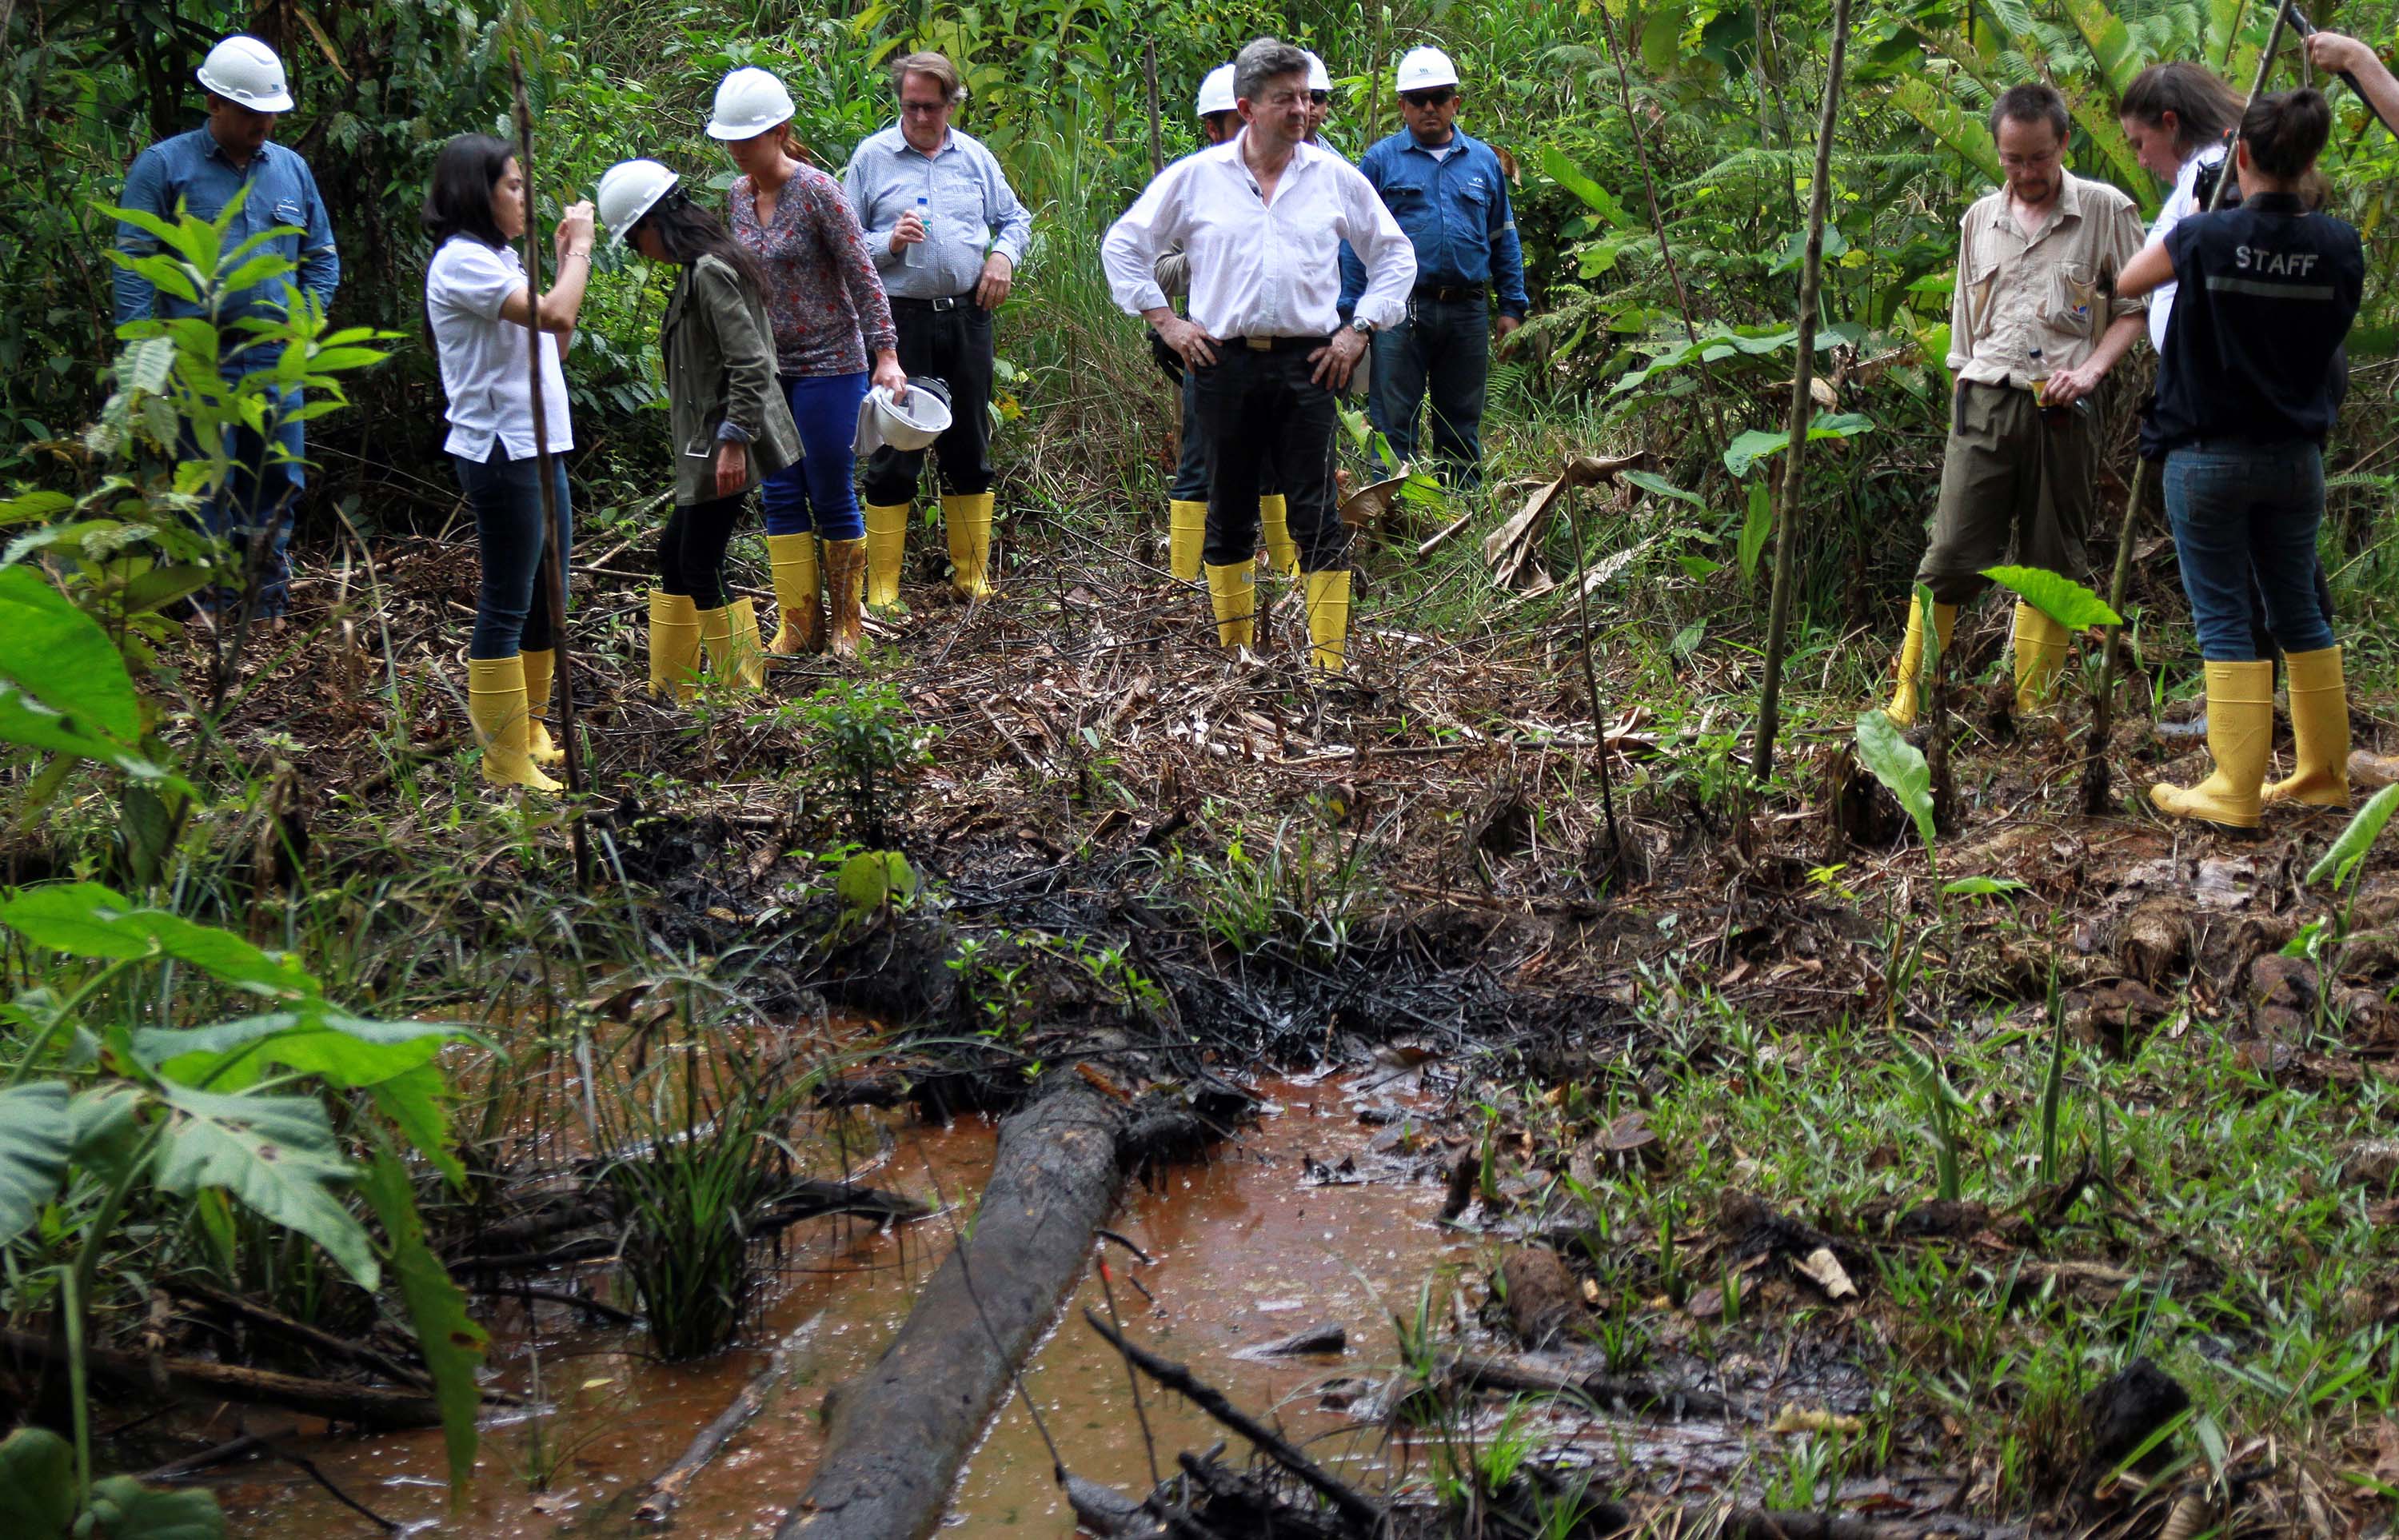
2013, 477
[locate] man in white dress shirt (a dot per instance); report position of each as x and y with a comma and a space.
1262, 216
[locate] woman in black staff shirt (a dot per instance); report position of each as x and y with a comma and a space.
2249, 385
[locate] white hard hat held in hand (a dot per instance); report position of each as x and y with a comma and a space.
1216, 91
1425, 68
910, 422
629, 190
245, 70
1319, 79
748, 102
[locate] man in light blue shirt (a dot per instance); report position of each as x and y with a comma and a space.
1450, 193
200, 173
946, 232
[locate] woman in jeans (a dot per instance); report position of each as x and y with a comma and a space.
2250, 383
829, 314
476, 306
730, 424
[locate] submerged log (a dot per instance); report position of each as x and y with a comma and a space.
896, 1434
366, 1405
1529, 1376
667, 1488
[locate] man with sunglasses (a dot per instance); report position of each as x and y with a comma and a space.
1449, 193
1261, 218
946, 232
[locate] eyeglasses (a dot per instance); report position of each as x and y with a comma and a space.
924, 109
1438, 97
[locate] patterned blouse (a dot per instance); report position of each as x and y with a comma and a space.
824, 292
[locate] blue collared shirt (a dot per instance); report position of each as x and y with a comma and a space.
970, 208
1455, 209
192, 169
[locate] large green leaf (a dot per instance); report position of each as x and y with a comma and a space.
26, 720
346, 1050
278, 1155
2057, 596
2351, 847
2109, 41
1942, 115
35, 1138
1757, 443
451, 1343
37, 1490
1898, 764
1566, 174
89, 920
61, 657
1650, 482
122, 1508
1755, 527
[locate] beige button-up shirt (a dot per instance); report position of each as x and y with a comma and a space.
2017, 293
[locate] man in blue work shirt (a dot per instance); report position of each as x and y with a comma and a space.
201, 172
1449, 193
946, 233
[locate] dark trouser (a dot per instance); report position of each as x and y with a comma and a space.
1265, 416
1191, 471
512, 605
2243, 510
691, 550
818, 493
1444, 349
953, 346
2016, 475
261, 488
2261, 635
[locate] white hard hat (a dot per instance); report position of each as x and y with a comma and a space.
1319, 79
1216, 91
748, 102
242, 69
912, 422
1425, 68
629, 190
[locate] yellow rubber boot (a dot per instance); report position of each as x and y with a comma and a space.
2040, 656
540, 669
886, 545
2320, 724
1186, 531
496, 704
1328, 619
674, 644
729, 661
749, 653
1233, 594
845, 563
1907, 697
799, 612
966, 519
1274, 519
2240, 734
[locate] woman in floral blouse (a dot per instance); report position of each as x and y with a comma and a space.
829, 314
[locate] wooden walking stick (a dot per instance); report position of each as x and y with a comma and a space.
2103, 702
1777, 619
562, 682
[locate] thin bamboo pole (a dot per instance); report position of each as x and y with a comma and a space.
1778, 622
563, 678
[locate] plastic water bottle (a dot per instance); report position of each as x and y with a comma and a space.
2038, 375
915, 254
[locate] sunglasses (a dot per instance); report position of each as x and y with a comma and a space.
924, 109
1319, 98
1437, 98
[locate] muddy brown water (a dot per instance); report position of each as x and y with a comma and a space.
1271, 1236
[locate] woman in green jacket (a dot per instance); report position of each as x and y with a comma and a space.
731, 426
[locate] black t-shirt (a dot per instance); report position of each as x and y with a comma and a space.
2266, 293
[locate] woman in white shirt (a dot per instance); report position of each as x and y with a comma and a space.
476, 306
2177, 116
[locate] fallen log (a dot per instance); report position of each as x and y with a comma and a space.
896, 1434
315, 1338
372, 1406
666, 1489
1527, 1376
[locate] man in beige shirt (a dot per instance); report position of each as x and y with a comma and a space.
2037, 265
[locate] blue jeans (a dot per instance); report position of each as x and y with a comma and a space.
2243, 510
261, 490
1444, 348
818, 493
512, 605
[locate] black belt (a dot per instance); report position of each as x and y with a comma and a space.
1273, 345
1446, 294
940, 307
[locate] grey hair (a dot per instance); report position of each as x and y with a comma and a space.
1262, 60
935, 67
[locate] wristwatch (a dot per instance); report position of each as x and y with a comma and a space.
1362, 326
